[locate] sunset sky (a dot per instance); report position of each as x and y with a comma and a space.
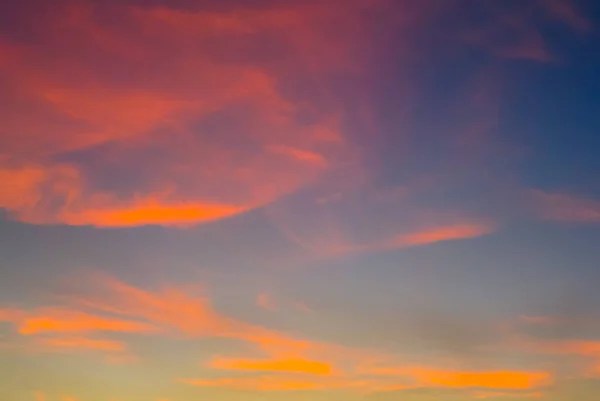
299, 200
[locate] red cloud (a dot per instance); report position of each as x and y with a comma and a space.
188, 111
130, 113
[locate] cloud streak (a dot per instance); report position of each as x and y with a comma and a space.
565, 207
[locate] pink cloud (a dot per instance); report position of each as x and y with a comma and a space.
220, 115
565, 207
265, 301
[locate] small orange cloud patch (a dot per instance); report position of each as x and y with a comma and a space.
498, 380
48, 320
290, 365
81, 343
152, 212
434, 377
445, 233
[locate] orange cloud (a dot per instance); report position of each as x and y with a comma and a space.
11, 315
499, 380
81, 343
444, 233
290, 365
280, 384
50, 320
152, 211
263, 383
39, 396
178, 311
482, 395
565, 207
512, 380
170, 308
389, 219
563, 347
54, 329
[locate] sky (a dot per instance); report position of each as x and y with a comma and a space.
293, 200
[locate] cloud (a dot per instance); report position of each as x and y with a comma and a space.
180, 312
283, 384
265, 301
39, 396
482, 395
172, 312
263, 383
48, 320
274, 361
384, 380
387, 219
579, 356
565, 207
68, 330
302, 307
544, 320
565, 11
51, 320
196, 114
502, 380
435, 377
445, 233
130, 113
81, 343
564, 347
290, 365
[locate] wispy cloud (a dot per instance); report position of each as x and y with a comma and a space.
443, 233
283, 384
39, 396
482, 395
383, 380
390, 219
566, 11
565, 207
274, 361
82, 343
47, 320
289, 365
265, 301
425, 376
